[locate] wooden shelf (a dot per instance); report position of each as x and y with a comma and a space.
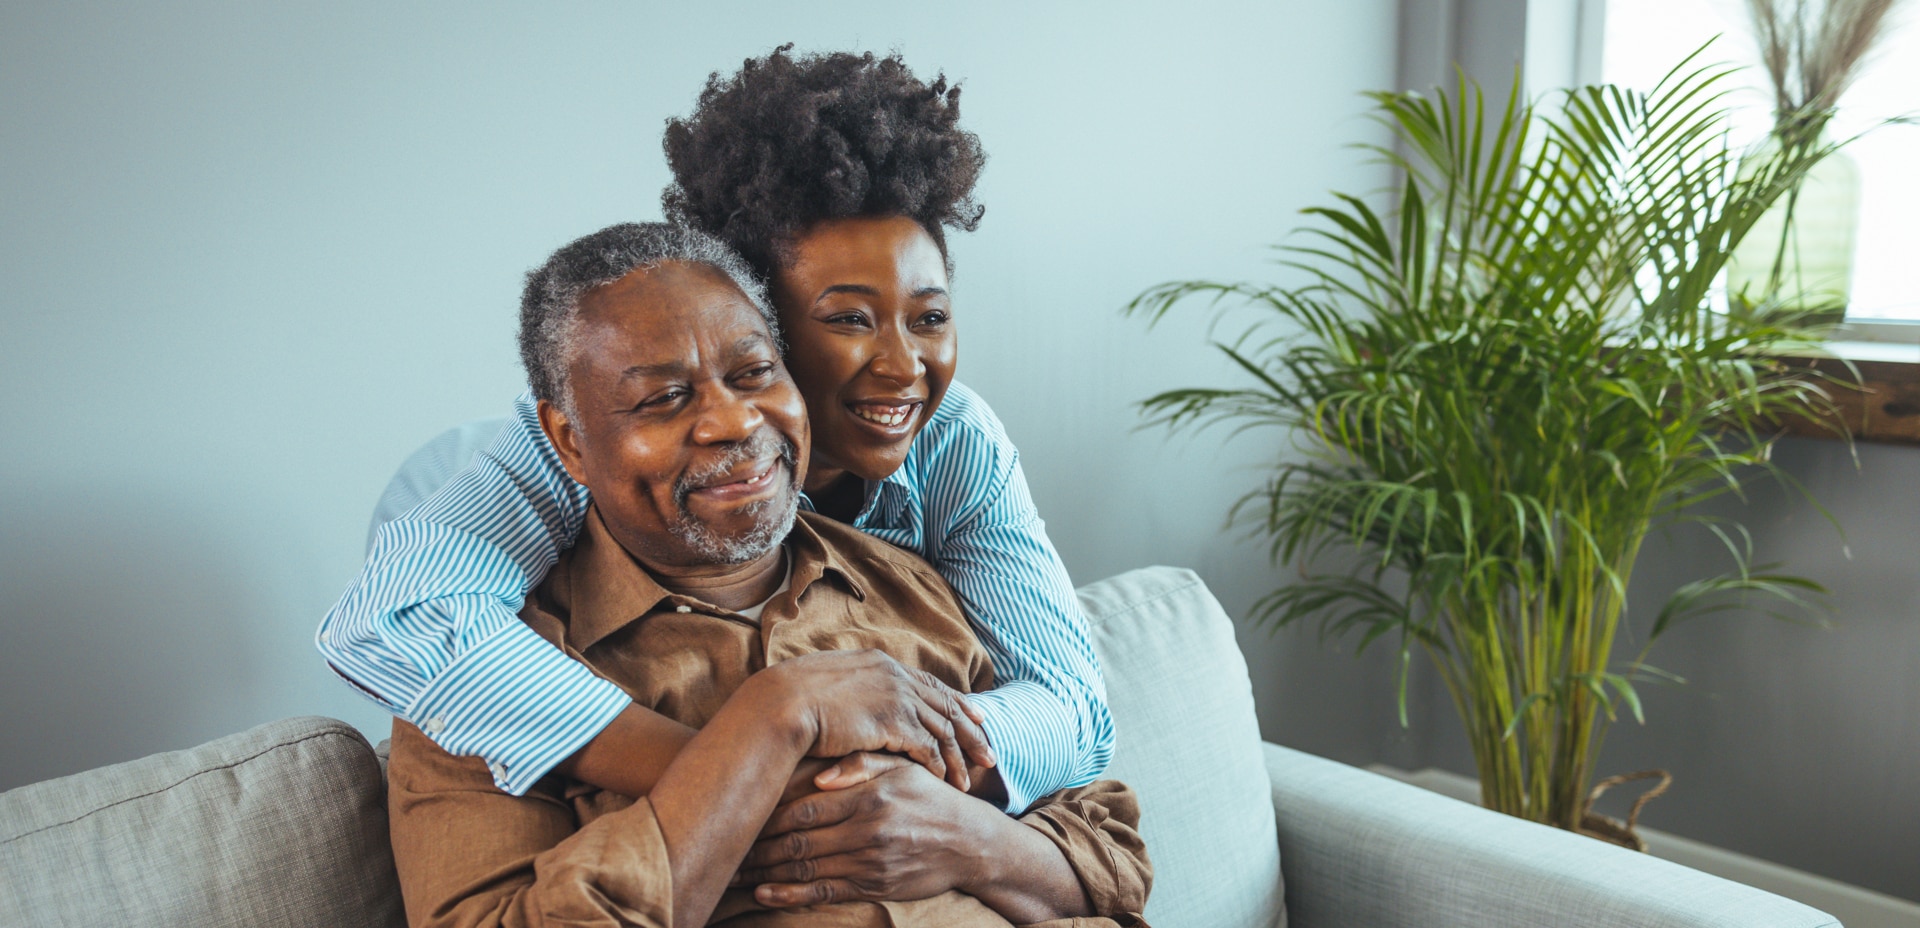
1886, 408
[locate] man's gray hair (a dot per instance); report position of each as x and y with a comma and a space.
550, 306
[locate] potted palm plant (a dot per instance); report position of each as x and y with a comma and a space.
1498, 385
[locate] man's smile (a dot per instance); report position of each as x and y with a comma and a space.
743, 481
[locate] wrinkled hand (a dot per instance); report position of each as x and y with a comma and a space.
867, 701
902, 835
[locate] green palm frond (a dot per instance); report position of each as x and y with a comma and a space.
1498, 382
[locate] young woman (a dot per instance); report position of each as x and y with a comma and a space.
835, 176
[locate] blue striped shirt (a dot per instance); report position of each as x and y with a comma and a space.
430, 628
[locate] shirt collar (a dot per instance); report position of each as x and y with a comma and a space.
607, 589
889, 487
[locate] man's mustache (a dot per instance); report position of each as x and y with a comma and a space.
760, 444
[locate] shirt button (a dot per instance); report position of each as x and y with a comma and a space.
683, 608
499, 771
434, 725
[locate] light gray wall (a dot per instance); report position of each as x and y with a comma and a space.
1793, 742
254, 254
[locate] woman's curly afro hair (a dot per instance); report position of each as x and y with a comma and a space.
791, 141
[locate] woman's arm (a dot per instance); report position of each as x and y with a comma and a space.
939, 738
1047, 718
429, 629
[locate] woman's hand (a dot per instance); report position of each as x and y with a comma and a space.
866, 701
901, 835
819, 773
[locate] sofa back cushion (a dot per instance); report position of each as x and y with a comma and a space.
283, 825
1190, 746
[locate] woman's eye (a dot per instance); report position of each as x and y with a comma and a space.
858, 319
934, 318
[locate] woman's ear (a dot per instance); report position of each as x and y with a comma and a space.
564, 436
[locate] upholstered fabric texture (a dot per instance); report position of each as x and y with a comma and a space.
1190, 746
284, 825
1377, 852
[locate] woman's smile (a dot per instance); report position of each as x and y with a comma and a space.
887, 417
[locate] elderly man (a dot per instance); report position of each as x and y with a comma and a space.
696, 589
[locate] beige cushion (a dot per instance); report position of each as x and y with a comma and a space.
283, 825
1190, 746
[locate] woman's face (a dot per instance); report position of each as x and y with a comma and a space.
871, 342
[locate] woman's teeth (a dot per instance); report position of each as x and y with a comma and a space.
888, 416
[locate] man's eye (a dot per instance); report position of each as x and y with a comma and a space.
757, 372
662, 399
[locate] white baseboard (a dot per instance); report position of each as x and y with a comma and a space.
1853, 906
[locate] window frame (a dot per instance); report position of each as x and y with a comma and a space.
1565, 49
1564, 46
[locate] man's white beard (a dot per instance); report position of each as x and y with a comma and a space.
772, 518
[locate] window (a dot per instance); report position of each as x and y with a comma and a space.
1646, 38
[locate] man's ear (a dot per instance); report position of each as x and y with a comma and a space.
564, 436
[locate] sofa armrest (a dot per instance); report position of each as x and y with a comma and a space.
1358, 848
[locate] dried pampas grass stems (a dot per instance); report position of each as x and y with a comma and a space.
1814, 49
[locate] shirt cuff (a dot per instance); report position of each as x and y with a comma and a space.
614, 870
1035, 754
1096, 828
518, 702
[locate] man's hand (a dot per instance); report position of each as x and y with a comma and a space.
904, 835
901, 835
866, 701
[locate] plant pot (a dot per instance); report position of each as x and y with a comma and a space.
1595, 825
1612, 831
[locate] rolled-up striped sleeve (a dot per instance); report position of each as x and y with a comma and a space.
1047, 718
430, 628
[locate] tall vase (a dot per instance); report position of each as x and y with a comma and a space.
1802, 248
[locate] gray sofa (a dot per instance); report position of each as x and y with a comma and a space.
285, 825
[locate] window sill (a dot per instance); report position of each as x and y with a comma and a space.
1886, 409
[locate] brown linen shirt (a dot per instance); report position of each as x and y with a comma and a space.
569, 853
